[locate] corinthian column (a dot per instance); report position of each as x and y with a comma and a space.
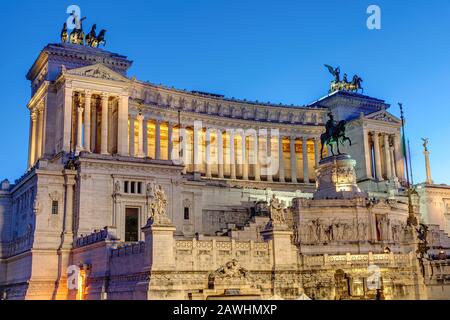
104, 142
196, 142
244, 157
387, 157
208, 153
131, 136
80, 129
376, 149
145, 136
87, 121
40, 131
293, 161
32, 155
391, 152
67, 130
122, 125
269, 162
232, 156
220, 153
257, 155
158, 139
367, 155
169, 140
281, 160
316, 151
140, 119
305, 160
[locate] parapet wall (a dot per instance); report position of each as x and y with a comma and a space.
209, 255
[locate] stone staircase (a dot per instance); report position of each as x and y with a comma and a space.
439, 242
251, 231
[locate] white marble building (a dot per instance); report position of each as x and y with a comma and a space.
100, 141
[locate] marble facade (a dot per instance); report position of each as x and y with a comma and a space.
100, 142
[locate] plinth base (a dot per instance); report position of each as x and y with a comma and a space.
336, 178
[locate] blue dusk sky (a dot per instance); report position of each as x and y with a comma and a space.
258, 50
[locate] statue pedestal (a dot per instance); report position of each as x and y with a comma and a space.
336, 178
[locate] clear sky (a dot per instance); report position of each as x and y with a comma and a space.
259, 50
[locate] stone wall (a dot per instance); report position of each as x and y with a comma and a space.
209, 255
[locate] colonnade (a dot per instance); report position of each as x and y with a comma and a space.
253, 155
95, 122
385, 155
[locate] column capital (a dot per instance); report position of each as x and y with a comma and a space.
88, 94
140, 117
105, 95
33, 115
80, 108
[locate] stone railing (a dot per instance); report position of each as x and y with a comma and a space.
17, 246
210, 254
96, 236
128, 249
355, 259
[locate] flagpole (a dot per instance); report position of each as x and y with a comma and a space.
410, 164
404, 143
412, 220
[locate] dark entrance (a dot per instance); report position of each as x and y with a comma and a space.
131, 224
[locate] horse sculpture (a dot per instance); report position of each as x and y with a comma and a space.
64, 34
94, 41
100, 39
344, 84
77, 35
91, 36
334, 135
353, 86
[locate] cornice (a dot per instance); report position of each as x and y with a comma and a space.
40, 93
171, 115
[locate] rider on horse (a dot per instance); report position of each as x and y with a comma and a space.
331, 124
334, 134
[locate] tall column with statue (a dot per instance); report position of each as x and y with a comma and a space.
427, 160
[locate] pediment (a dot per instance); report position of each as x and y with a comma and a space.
98, 71
385, 116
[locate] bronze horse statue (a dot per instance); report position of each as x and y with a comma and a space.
334, 135
100, 39
93, 40
91, 36
77, 35
337, 84
64, 34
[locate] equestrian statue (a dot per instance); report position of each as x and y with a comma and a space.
334, 135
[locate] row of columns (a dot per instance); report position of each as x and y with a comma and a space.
88, 125
142, 139
387, 157
197, 149
256, 149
